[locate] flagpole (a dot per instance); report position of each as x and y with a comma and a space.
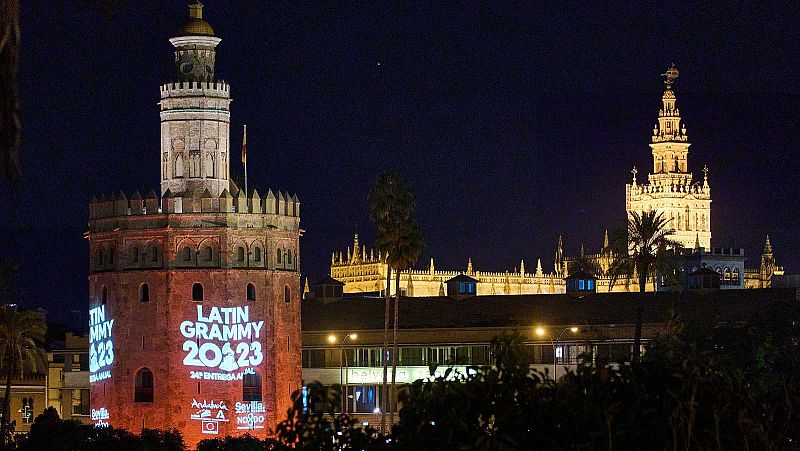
244, 157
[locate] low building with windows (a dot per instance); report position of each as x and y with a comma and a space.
437, 333
68, 377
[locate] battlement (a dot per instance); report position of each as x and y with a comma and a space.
119, 204
196, 88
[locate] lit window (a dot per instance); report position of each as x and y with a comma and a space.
581, 285
462, 288
197, 292
471, 288
590, 284
143, 390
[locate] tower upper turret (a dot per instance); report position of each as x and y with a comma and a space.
669, 141
194, 44
195, 114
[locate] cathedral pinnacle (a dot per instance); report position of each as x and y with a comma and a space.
469, 266
767, 247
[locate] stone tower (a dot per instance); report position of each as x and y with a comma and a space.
195, 114
194, 296
670, 188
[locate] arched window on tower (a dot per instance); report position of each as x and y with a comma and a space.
179, 166
98, 258
289, 257
209, 166
287, 294
154, 254
104, 295
144, 293
726, 277
735, 276
257, 254
143, 389
251, 292
110, 254
186, 254
240, 254
251, 387
197, 292
133, 255
278, 257
207, 254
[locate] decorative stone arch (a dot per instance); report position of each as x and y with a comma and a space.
184, 257
208, 252
238, 253
258, 255
179, 167
133, 255
152, 254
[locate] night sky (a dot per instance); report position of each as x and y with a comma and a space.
512, 124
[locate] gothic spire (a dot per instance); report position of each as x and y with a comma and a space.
767, 247
469, 266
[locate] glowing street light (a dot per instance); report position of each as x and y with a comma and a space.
541, 332
343, 357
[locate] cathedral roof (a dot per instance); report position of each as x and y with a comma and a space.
195, 25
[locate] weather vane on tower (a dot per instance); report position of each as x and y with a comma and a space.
670, 76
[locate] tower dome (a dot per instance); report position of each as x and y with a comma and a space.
195, 25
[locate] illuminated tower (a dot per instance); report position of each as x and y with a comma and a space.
194, 296
195, 114
670, 188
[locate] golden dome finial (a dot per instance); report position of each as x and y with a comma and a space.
195, 25
196, 10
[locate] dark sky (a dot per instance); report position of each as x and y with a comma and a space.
512, 124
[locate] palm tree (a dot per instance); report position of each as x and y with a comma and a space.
21, 335
405, 246
391, 204
646, 250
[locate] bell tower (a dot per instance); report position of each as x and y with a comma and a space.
195, 114
670, 189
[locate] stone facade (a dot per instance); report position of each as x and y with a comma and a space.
194, 295
671, 188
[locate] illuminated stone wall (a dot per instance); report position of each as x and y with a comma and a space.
162, 332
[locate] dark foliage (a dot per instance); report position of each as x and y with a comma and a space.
246, 443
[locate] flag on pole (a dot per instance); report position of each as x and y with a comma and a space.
244, 146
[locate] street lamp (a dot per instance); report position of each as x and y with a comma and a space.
541, 332
343, 357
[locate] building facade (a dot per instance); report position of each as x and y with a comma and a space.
194, 294
439, 333
68, 378
671, 189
